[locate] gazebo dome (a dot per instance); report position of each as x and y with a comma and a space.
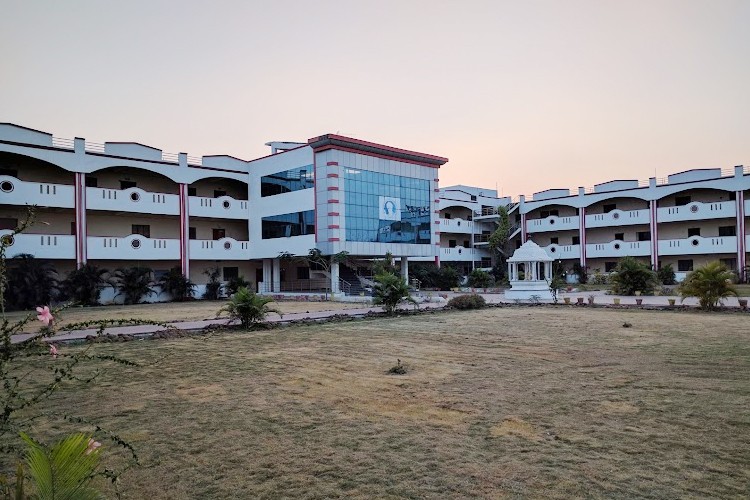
530, 252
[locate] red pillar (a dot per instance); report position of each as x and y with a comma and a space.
80, 214
184, 231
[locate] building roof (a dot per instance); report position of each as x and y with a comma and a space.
333, 141
530, 252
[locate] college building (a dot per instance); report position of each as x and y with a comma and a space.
122, 204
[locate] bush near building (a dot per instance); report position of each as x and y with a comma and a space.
469, 301
632, 276
710, 284
480, 279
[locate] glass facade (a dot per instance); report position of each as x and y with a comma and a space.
287, 181
386, 208
286, 225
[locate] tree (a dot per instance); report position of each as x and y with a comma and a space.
632, 275
247, 307
214, 286
134, 283
666, 274
711, 284
85, 284
390, 290
32, 282
480, 279
447, 277
315, 258
177, 285
499, 241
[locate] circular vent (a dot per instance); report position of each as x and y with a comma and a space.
553, 249
6, 186
694, 243
227, 245
226, 204
135, 243
135, 196
615, 215
551, 221
7, 240
694, 208
617, 246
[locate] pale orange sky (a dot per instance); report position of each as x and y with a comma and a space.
525, 95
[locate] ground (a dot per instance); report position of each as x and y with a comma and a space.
544, 401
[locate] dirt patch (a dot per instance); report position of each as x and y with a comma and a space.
514, 426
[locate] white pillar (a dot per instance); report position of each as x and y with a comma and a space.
510, 271
405, 269
266, 276
335, 277
276, 275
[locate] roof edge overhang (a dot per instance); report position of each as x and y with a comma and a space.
333, 141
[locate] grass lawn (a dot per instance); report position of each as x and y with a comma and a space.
539, 402
178, 311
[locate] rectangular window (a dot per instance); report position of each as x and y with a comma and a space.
644, 235
218, 234
447, 215
554, 241
681, 200
576, 240
685, 265
192, 191
73, 228
127, 184
451, 243
303, 273
609, 266
620, 236
142, 229
219, 192
730, 263
230, 273
286, 225
192, 233
287, 181
694, 231
466, 243
543, 214
609, 207
727, 231
91, 182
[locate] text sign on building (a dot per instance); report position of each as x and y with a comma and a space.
390, 208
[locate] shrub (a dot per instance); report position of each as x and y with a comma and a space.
177, 285
234, 284
666, 274
134, 283
710, 284
631, 275
248, 307
390, 290
447, 277
32, 282
84, 285
468, 301
599, 278
214, 286
480, 279
583, 276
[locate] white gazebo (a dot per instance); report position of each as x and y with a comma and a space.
537, 273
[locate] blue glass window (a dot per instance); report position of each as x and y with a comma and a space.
286, 225
386, 208
287, 181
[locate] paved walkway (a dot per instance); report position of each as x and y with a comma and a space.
600, 298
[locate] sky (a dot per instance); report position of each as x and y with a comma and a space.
519, 95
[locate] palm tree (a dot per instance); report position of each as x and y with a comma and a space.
711, 284
31, 282
134, 283
248, 307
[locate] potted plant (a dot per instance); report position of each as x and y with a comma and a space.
616, 301
567, 300
671, 302
637, 293
579, 300
638, 301
743, 303
591, 300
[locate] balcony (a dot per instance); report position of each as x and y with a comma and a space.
456, 226
43, 194
42, 246
563, 251
482, 239
222, 249
551, 223
132, 200
133, 247
463, 254
619, 248
697, 211
698, 245
618, 218
223, 207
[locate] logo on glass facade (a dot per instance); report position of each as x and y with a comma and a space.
390, 208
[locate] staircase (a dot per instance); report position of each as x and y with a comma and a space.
347, 274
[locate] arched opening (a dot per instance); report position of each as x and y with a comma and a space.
216, 187
118, 177
28, 169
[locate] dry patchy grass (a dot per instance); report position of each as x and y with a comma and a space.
538, 402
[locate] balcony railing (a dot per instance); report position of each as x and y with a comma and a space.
456, 226
132, 200
221, 249
618, 248
41, 246
132, 247
697, 211
463, 254
481, 238
552, 223
698, 245
563, 251
224, 207
44, 194
618, 218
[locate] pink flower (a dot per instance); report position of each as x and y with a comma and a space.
93, 445
45, 316
53, 351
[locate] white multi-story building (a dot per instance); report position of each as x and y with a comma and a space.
120, 204
685, 220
